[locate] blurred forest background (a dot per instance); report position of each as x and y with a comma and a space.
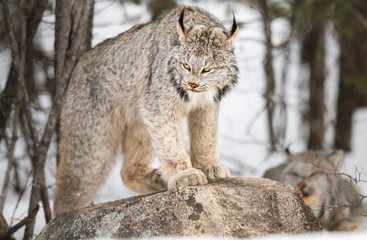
33, 80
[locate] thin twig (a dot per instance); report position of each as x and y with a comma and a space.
19, 55
73, 46
10, 158
339, 205
254, 119
20, 195
16, 227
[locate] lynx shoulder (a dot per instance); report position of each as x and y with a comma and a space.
334, 200
132, 92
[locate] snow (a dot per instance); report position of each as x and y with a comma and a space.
319, 236
243, 138
310, 236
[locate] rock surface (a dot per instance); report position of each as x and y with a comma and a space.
235, 207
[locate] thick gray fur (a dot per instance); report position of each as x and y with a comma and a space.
133, 91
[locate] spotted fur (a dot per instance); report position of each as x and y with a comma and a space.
131, 92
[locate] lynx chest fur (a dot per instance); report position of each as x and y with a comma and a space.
133, 91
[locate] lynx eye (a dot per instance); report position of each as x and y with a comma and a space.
206, 70
314, 174
186, 66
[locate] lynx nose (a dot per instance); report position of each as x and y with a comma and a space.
301, 185
193, 84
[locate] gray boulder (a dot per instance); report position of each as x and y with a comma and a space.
234, 207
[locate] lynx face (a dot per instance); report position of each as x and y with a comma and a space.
310, 181
308, 173
203, 62
335, 202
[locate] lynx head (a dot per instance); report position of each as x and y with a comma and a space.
311, 173
203, 62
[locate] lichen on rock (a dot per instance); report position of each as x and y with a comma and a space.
234, 207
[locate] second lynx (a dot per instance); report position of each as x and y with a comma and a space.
133, 91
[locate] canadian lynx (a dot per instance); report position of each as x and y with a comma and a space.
334, 200
133, 91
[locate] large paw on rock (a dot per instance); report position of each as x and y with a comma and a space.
188, 177
216, 171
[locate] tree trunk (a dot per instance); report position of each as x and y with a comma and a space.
353, 71
72, 38
269, 72
314, 54
158, 8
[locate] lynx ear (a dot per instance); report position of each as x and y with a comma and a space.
233, 32
336, 157
180, 25
288, 155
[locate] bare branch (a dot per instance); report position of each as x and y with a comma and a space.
21, 194
73, 34
18, 55
359, 16
16, 227
10, 158
269, 72
340, 204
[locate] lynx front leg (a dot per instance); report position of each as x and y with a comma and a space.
203, 124
167, 139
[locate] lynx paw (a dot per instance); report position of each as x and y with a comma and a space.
188, 177
216, 171
154, 178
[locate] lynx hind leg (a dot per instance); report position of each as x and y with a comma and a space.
79, 178
138, 155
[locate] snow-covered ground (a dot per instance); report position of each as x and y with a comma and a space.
243, 138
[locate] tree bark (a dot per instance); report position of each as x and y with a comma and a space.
314, 53
73, 33
7, 99
32, 14
19, 61
10, 159
353, 71
310, 18
158, 8
269, 72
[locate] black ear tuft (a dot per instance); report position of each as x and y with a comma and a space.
180, 21
287, 150
234, 25
233, 32
336, 157
180, 26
